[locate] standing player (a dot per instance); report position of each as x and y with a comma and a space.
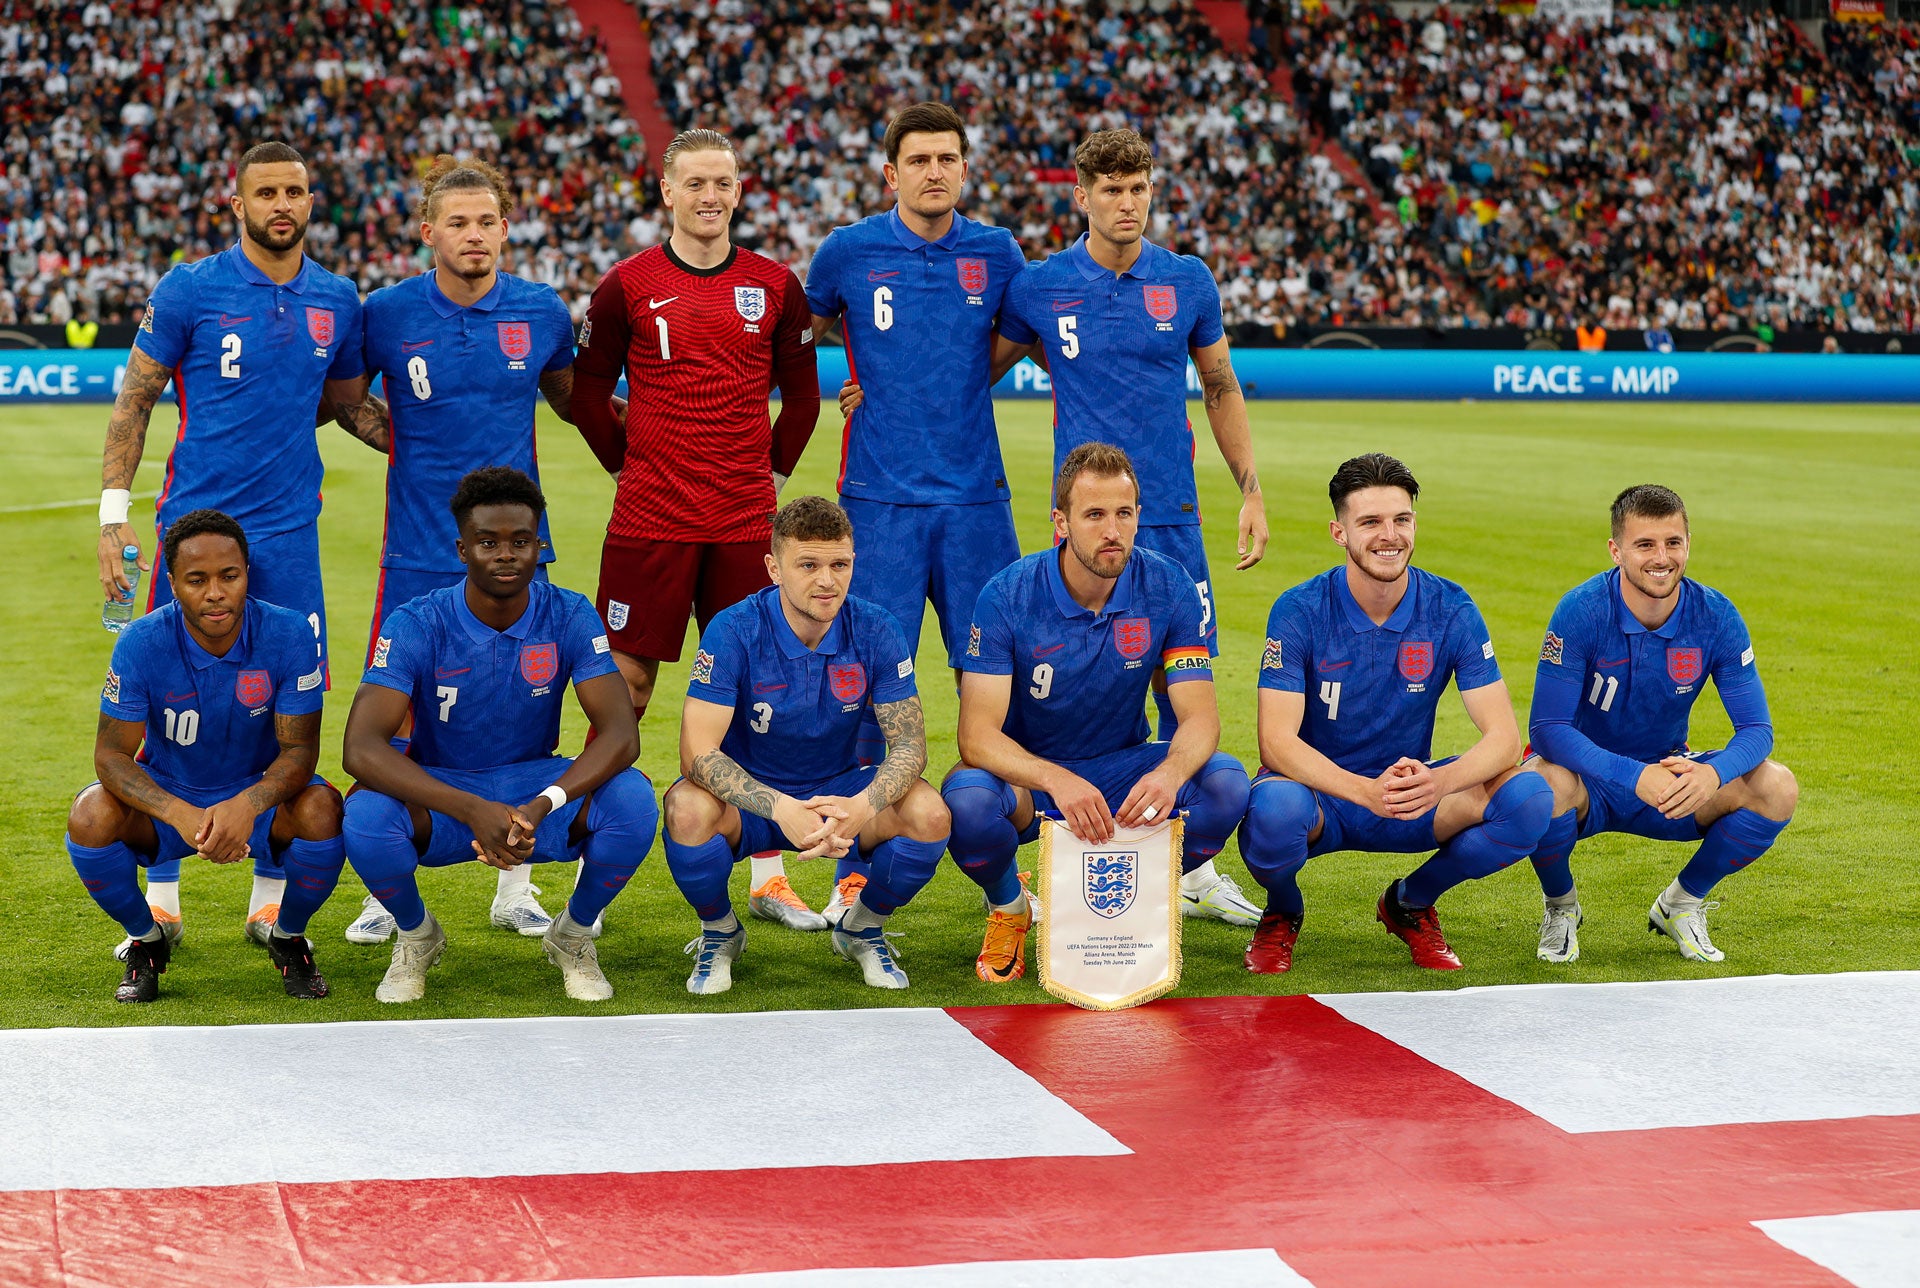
780, 688
917, 291
486, 666
252, 339
1117, 319
224, 691
466, 351
1344, 765
1062, 649
703, 331
1626, 655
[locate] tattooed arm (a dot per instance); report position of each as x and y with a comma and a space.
1227, 415
221, 831
126, 440
114, 744
904, 726
352, 405
703, 725
557, 387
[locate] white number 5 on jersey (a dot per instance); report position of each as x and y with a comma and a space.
1069, 338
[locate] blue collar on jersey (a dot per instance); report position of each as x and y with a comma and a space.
481, 633
1092, 270
914, 241
199, 657
237, 257
790, 644
1357, 616
1630, 625
446, 308
1120, 601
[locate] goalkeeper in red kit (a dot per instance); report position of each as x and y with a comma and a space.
703, 331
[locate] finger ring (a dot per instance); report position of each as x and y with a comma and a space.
1150, 812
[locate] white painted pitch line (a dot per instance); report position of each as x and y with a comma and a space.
65, 505
1867, 1249
1626, 1057
1251, 1268
407, 1100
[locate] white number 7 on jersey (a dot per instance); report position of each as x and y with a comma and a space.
447, 694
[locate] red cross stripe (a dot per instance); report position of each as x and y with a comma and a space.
1253, 1123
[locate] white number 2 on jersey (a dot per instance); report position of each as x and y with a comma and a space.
230, 356
417, 373
883, 308
1069, 338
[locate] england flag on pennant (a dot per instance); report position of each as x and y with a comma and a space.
1111, 938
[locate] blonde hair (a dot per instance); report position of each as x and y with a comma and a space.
450, 174
696, 141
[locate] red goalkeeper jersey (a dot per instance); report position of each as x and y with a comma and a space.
702, 350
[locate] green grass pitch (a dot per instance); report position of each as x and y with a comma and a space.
1804, 515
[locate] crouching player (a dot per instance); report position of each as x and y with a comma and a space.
769, 749
1626, 655
485, 666
1355, 663
226, 692
1062, 651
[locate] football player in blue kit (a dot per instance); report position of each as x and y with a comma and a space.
224, 691
259, 342
485, 666
780, 687
917, 291
1116, 319
1355, 663
1626, 655
1059, 658
465, 352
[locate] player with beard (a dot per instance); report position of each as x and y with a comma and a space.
917, 291
703, 330
466, 351
1626, 656
254, 340
1063, 647
1355, 662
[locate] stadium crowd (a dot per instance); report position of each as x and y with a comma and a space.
1697, 168
122, 123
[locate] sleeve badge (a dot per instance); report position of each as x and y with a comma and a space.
702, 667
110, 691
973, 641
1272, 658
1552, 649
381, 648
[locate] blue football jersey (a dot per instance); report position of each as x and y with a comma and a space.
249, 357
1372, 690
1080, 679
1117, 350
1626, 692
210, 719
484, 698
797, 711
462, 385
919, 318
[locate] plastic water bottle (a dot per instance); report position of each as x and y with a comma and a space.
116, 613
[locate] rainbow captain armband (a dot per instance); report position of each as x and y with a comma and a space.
1187, 663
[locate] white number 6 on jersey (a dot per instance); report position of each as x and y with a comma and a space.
883, 308
1069, 338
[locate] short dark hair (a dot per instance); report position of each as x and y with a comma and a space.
923, 118
1375, 469
201, 523
495, 485
1102, 460
272, 152
1646, 501
1117, 152
811, 518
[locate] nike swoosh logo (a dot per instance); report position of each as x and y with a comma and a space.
181, 697
1042, 652
768, 688
227, 321
1333, 666
1061, 306
656, 304
874, 275
441, 673
1617, 661
414, 346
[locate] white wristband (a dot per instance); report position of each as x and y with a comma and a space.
114, 503
555, 796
